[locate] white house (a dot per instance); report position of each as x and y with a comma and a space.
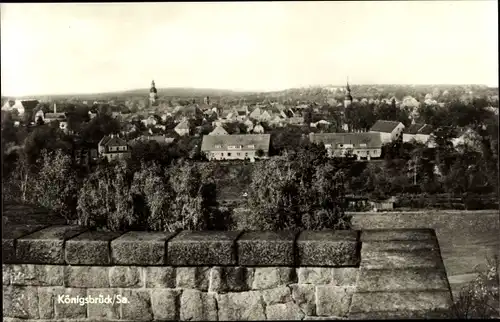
419, 132
389, 130
182, 128
236, 147
361, 145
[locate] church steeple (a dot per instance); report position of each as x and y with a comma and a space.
153, 93
348, 96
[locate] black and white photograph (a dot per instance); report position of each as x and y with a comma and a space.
250, 160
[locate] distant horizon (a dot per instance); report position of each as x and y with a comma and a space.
244, 46
243, 91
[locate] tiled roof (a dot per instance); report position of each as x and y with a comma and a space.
419, 128
384, 126
184, 125
219, 130
245, 141
55, 116
157, 138
372, 140
112, 141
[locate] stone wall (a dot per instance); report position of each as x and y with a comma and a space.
146, 276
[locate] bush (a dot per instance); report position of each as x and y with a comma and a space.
303, 190
151, 199
480, 299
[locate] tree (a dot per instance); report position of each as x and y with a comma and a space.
193, 197
105, 200
152, 197
55, 185
302, 190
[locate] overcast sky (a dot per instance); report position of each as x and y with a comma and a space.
86, 48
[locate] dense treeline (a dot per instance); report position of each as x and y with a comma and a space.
166, 187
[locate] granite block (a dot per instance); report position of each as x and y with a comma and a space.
46, 246
140, 248
266, 248
9, 236
398, 234
400, 301
328, 248
196, 248
411, 279
90, 248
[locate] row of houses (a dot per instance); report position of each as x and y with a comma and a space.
219, 145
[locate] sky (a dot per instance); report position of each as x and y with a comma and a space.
63, 48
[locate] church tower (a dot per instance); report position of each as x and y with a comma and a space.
153, 94
348, 97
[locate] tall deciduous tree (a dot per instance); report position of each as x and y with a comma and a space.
105, 199
55, 185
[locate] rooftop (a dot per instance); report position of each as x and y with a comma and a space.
372, 140
385, 126
244, 141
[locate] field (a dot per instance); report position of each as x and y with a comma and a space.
466, 238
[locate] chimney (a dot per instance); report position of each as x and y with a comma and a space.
55, 108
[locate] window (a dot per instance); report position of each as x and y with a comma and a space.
229, 154
238, 154
246, 154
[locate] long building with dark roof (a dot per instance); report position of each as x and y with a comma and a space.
362, 145
236, 147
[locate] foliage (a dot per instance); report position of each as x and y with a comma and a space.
105, 200
480, 299
299, 191
55, 185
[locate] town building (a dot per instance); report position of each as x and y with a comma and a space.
153, 94
236, 147
258, 129
418, 132
218, 130
53, 117
182, 128
390, 130
348, 96
113, 147
151, 120
20, 105
160, 139
361, 145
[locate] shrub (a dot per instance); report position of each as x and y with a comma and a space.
303, 190
480, 299
55, 186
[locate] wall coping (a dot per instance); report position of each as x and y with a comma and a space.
75, 245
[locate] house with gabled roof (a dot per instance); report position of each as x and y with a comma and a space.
389, 130
419, 132
182, 128
361, 145
113, 147
258, 129
218, 130
236, 146
255, 114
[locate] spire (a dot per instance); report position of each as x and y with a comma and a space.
348, 88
